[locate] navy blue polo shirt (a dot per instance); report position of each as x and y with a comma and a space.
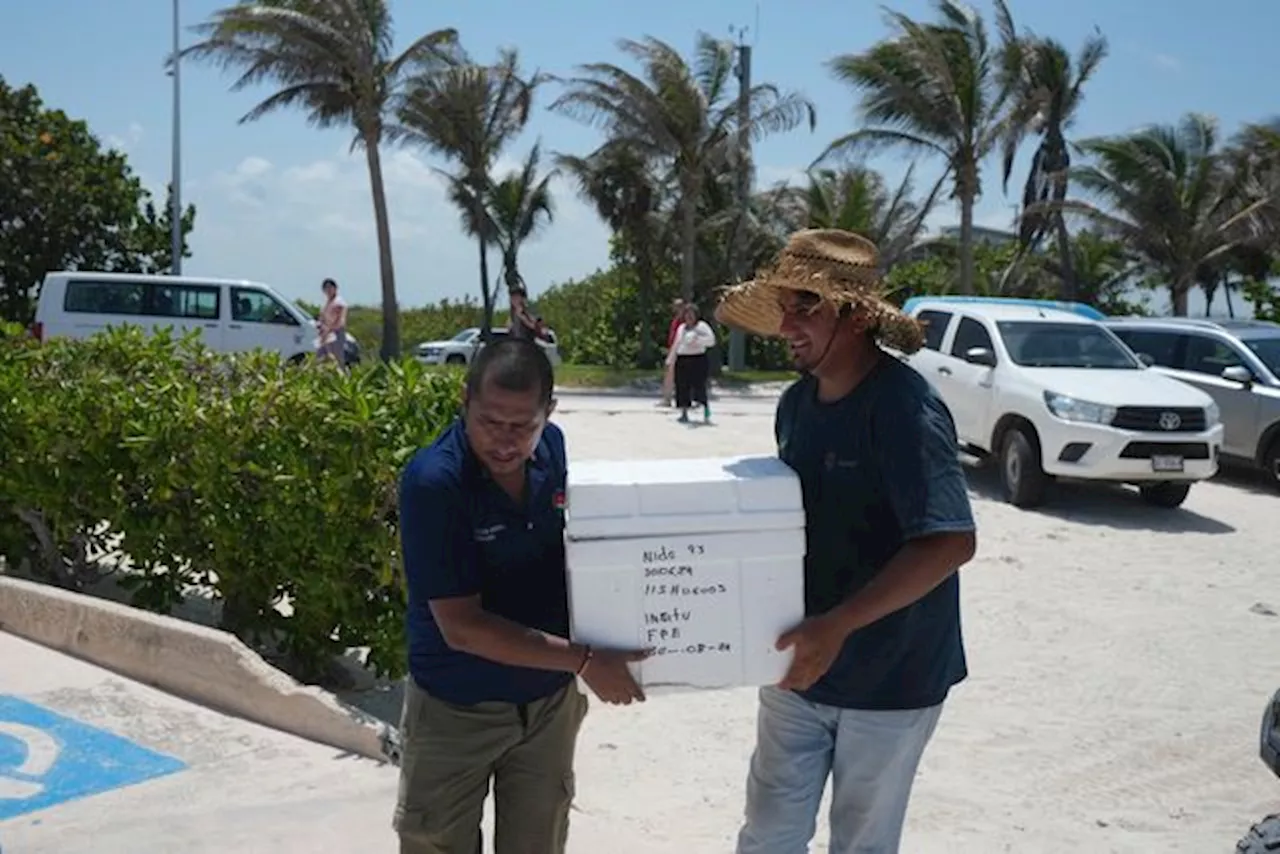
462, 535
878, 468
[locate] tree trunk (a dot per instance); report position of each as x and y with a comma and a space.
1066, 261
1178, 291
390, 307
644, 271
487, 332
477, 194
966, 242
688, 242
510, 271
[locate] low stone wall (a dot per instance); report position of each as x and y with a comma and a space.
198, 663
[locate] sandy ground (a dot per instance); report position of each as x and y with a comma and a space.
1120, 656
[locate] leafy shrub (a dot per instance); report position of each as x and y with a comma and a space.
1265, 298
437, 322
597, 319
267, 484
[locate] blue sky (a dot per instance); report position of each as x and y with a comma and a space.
281, 202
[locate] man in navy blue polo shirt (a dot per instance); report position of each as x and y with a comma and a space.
492, 696
887, 524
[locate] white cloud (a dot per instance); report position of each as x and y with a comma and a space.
294, 224
129, 140
1156, 58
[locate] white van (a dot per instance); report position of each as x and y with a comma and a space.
231, 316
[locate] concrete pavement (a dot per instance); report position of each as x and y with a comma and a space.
91, 763
121, 767
666, 777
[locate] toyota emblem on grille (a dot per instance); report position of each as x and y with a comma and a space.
1170, 421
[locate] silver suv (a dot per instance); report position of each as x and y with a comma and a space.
1236, 362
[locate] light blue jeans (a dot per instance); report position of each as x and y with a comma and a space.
871, 757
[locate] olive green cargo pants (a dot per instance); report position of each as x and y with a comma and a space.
450, 753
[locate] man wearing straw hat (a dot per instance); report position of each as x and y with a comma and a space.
888, 523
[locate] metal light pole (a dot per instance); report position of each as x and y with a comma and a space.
175, 193
737, 341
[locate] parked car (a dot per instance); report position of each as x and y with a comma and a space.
1080, 308
1236, 362
232, 316
1048, 393
462, 348
1264, 837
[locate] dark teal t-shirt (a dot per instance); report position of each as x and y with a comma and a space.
877, 468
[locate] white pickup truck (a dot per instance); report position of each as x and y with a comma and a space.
1049, 393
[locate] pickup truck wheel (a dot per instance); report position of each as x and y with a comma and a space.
1169, 494
455, 359
1262, 838
1023, 479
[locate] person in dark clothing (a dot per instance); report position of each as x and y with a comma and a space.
693, 338
491, 695
887, 525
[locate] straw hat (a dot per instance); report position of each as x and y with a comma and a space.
840, 267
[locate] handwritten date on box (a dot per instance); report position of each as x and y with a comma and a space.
693, 649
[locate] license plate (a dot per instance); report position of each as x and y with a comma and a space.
1165, 462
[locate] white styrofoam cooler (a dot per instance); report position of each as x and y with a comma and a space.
701, 560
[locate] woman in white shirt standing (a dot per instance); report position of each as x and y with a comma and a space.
694, 338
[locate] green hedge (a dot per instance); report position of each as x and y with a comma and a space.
258, 482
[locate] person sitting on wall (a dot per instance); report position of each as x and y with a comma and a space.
523, 324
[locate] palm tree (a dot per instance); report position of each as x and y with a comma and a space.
680, 118
335, 61
1047, 89
615, 178
469, 113
1102, 268
1256, 152
932, 88
857, 199
1167, 193
519, 206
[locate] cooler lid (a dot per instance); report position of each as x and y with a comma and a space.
639, 498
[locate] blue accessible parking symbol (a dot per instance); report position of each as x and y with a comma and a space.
47, 759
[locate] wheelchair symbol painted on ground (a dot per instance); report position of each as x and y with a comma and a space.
47, 759
41, 752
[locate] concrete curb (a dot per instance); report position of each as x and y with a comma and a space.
204, 665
